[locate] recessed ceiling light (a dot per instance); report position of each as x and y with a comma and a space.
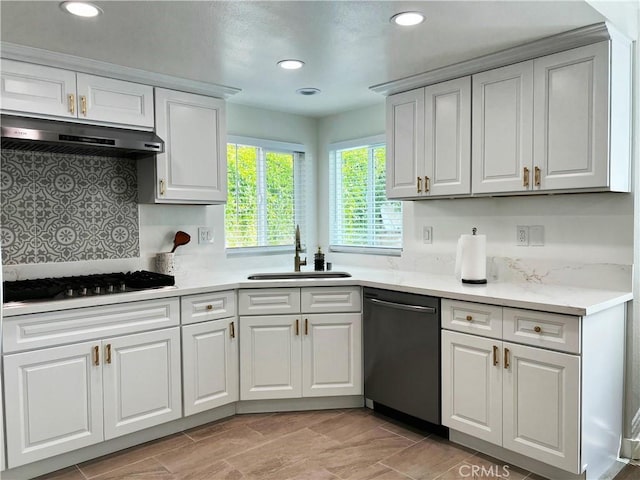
407, 19
308, 91
81, 9
290, 64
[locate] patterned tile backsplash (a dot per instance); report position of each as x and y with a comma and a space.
65, 208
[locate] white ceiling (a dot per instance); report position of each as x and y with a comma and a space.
348, 46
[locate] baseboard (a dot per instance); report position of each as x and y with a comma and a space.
299, 404
630, 448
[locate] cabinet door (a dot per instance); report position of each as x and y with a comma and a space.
53, 401
270, 355
448, 138
210, 365
571, 112
114, 101
193, 167
502, 129
472, 385
332, 355
405, 144
541, 402
142, 385
36, 89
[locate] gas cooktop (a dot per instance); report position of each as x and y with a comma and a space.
61, 288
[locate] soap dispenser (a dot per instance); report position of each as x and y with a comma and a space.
318, 261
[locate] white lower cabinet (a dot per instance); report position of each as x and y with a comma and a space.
285, 355
522, 398
62, 398
210, 365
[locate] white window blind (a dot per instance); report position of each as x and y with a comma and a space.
362, 219
266, 195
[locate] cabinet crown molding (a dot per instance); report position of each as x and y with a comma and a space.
48, 58
578, 37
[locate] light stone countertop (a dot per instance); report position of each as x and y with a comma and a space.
535, 296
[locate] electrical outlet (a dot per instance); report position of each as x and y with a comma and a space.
522, 235
427, 234
205, 235
536, 235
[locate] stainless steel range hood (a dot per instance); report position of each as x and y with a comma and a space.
36, 134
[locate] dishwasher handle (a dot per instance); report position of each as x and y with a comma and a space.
402, 306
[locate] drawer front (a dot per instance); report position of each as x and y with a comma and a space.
474, 318
208, 306
26, 332
541, 329
269, 301
331, 299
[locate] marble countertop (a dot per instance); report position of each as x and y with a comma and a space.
535, 296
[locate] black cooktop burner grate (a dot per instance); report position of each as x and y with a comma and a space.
83, 285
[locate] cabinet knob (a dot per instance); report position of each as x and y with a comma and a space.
209, 307
537, 329
469, 318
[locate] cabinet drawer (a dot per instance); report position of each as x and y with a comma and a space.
25, 332
208, 306
475, 318
269, 301
541, 329
331, 299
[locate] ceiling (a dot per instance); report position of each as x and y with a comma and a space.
348, 46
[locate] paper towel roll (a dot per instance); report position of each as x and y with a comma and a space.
473, 258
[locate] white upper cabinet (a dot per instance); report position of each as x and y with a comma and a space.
193, 167
46, 91
447, 168
405, 144
429, 141
36, 89
114, 101
571, 119
502, 128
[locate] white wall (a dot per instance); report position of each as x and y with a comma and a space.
158, 223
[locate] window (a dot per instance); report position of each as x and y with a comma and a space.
362, 219
265, 200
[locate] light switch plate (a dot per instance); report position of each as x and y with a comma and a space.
427, 234
205, 235
536, 235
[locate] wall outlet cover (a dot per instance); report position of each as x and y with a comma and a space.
522, 235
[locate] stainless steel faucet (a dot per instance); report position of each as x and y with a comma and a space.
296, 260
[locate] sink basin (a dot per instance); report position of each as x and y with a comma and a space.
296, 275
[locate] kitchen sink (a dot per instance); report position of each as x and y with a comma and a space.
296, 275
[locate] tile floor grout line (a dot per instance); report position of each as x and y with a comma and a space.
398, 471
399, 434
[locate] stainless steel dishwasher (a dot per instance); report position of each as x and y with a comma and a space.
402, 352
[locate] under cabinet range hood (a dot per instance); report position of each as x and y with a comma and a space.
41, 135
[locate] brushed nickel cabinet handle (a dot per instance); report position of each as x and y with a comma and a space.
419, 184
525, 177
83, 103
232, 329
162, 186
72, 104
506, 358
495, 356
107, 354
96, 355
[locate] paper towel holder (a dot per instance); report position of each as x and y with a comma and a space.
476, 281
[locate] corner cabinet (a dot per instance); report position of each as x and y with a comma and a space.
193, 167
38, 90
209, 351
429, 141
542, 385
300, 342
102, 379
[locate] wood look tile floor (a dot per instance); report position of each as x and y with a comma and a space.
354, 444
